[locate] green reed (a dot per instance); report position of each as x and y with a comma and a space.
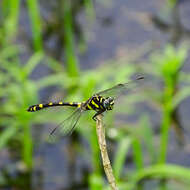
168, 68
10, 17
36, 24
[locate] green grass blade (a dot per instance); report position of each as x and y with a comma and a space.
71, 59
120, 156
148, 137
137, 153
33, 62
36, 26
163, 171
95, 182
11, 9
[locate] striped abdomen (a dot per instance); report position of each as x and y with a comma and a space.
38, 107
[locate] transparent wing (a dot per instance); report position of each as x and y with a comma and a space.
66, 127
120, 89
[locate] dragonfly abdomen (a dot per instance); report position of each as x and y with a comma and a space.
38, 107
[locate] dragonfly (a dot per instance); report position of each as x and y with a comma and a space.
100, 102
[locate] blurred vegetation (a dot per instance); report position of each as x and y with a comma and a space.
135, 144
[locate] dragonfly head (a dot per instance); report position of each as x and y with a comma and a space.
109, 103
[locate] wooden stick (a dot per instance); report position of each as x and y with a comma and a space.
105, 159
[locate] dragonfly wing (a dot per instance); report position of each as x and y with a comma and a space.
66, 127
119, 89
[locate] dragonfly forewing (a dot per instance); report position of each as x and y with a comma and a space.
123, 88
66, 127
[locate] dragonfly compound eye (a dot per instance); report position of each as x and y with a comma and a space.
109, 103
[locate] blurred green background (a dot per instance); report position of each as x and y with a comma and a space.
68, 50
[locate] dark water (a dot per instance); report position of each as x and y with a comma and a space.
120, 27
125, 30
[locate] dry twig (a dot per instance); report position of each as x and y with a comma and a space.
105, 159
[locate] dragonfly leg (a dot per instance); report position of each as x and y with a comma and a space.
96, 114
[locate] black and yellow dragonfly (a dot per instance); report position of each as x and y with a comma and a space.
99, 102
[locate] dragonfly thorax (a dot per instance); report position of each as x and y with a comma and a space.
108, 103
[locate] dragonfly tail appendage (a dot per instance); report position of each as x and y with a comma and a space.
38, 107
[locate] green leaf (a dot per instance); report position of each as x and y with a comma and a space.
36, 27
95, 182
180, 96
120, 155
137, 153
33, 62
148, 137
163, 171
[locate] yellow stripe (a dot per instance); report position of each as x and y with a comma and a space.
71, 103
101, 106
50, 104
60, 103
96, 105
79, 105
34, 108
89, 107
100, 99
41, 105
